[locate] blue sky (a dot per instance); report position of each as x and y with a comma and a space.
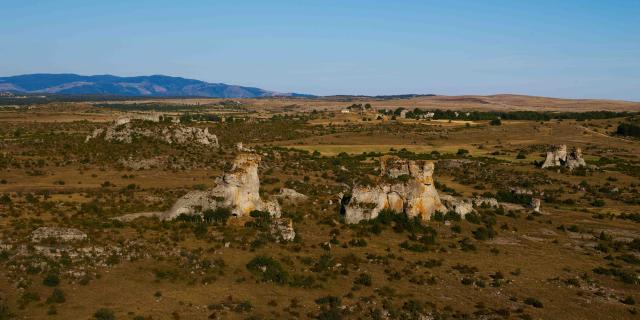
569, 48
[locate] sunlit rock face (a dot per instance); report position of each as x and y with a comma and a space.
559, 157
237, 190
406, 186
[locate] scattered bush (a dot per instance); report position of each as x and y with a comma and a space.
533, 302
267, 269
363, 279
104, 314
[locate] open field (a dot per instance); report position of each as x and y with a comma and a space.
577, 257
504, 102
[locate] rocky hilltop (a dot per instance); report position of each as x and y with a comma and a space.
559, 157
405, 186
128, 129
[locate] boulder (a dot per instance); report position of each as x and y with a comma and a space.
535, 204
405, 186
292, 195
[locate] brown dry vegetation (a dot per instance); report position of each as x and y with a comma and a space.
579, 259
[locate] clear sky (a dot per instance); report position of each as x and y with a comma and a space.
560, 48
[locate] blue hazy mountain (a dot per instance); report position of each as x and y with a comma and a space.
151, 86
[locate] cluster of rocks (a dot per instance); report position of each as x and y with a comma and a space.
57, 234
406, 186
559, 157
50, 245
128, 131
465, 206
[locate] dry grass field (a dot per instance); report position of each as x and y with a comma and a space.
577, 258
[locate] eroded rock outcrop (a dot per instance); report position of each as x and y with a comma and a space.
128, 131
405, 186
559, 157
460, 206
465, 206
237, 190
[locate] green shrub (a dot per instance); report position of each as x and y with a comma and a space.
363, 279
219, 215
267, 269
629, 300
473, 218
104, 314
483, 233
533, 302
51, 280
57, 296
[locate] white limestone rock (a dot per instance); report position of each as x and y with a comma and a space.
535, 204
237, 189
292, 195
460, 206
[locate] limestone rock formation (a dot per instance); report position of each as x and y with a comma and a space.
57, 233
125, 131
559, 157
237, 189
406, 186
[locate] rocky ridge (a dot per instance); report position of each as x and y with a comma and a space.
126, 130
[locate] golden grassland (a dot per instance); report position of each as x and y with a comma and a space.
536, 256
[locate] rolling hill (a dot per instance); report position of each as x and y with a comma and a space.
151, 86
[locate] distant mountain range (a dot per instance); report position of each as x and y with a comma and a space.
151, 86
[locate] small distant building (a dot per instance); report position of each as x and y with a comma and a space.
345, 111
